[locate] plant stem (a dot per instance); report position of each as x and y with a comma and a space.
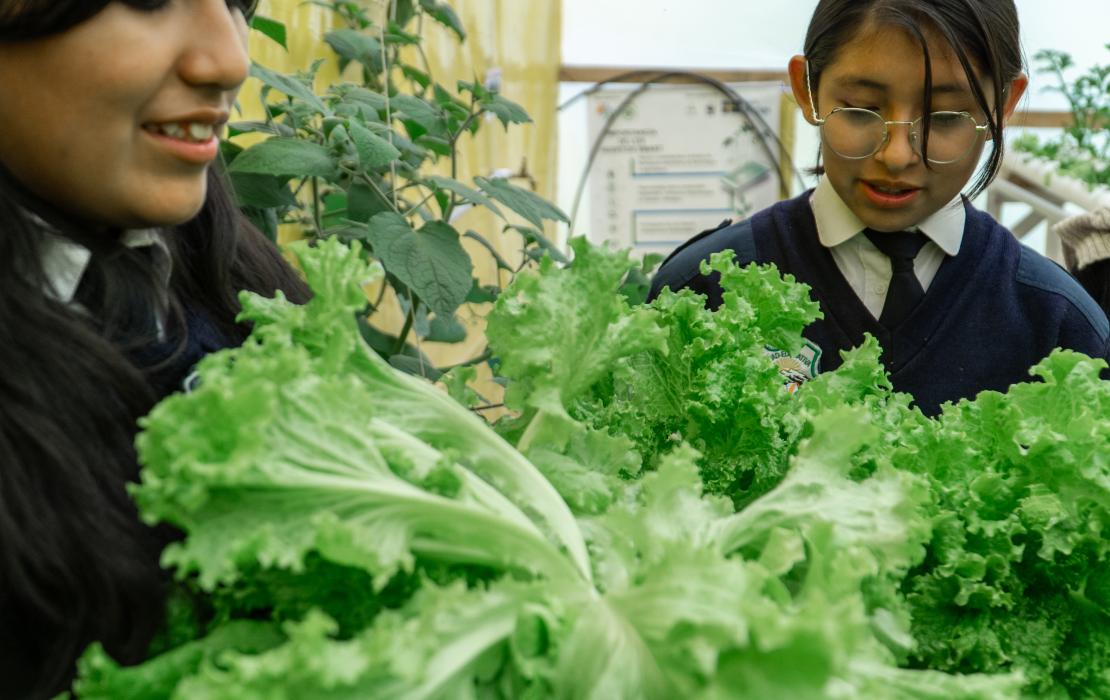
386, 67
410, 318
417, 206
381, 294
386, 198
486, 354
487, 407
455, 157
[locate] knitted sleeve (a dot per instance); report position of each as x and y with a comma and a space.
1085, 238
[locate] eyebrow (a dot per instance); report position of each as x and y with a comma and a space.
870, 84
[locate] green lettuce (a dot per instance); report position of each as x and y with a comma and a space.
659, 518
1016, 571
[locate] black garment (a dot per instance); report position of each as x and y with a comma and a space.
905, 292
991, 313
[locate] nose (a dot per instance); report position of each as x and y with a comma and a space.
214, 53
900, 150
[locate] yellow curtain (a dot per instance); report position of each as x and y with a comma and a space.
520, 41
306, 25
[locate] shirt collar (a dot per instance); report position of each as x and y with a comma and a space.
837, 224
64, 261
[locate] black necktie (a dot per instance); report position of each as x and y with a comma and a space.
905, 290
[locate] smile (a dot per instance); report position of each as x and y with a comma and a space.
192, 142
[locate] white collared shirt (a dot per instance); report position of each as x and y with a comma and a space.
65, 261
865, 267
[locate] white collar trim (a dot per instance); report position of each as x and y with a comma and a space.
837, 224
65, 261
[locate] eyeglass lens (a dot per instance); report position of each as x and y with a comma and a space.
859, 133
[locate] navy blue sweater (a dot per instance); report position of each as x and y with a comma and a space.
993, 311
169, 364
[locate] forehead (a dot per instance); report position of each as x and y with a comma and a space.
890, 58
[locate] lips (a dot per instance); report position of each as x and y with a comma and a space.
181, 147
889, 195
192, 137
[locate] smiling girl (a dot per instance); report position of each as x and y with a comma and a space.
122, 253
907, 94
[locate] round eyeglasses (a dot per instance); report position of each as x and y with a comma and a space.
855, 133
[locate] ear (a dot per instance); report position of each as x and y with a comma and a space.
797, 72
1014, 95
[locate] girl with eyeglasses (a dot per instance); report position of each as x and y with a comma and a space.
907, 94
122, 253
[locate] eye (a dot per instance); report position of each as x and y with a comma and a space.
949, 121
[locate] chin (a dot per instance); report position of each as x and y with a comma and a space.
170, 212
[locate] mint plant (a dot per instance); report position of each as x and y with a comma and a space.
358, 161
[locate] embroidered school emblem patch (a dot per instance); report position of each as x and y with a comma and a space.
796, 369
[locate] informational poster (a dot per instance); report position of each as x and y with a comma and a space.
679, 159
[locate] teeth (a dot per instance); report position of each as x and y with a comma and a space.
187, 131
200, 132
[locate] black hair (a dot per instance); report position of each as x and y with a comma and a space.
31, 19
1095, 278
76, 562
984, 34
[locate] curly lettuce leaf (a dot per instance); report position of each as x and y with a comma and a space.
101, 678
1015, 570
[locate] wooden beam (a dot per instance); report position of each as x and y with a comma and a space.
598, 74
1041, 119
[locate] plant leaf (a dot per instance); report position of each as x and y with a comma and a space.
290, 86
426, 115
468, 194
356, 46
271, 28
442, 13
263, 191
285, 156
431, 262
507, 112
373, 151
528, 204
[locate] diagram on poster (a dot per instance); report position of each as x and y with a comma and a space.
677, 160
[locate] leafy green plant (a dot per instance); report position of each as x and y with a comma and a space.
303, 461
1083, 149
376, 160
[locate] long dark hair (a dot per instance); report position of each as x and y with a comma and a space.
984, 34
76, 563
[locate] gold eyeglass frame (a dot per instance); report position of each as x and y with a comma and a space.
915, 142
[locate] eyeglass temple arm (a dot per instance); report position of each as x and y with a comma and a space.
812, 100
